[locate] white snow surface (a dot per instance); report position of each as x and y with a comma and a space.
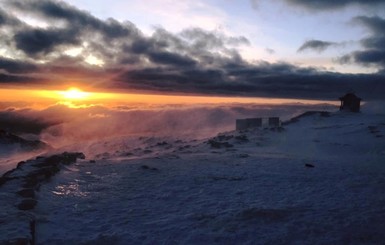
153, 190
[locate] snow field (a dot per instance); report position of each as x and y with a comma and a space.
256, 192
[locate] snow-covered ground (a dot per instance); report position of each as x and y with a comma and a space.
250, 187
254, 189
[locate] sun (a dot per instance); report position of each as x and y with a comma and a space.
76, 98
74, 94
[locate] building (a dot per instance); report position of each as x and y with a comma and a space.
350, 102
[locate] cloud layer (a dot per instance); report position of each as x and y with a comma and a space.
67, 44
60, 125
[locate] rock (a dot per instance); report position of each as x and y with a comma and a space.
242, 137
35, 178
3, 180
308, 165
64, 158
27, 192
92, 161
224, 137
216, 144
162, 143
44, 172
181, 148
145, 167
27, 204
20, 164
243, 155
31, 183
68, 158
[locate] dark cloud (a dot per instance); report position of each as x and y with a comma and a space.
37, 41
6, 19
7, 78
188, 48
331, 4
59, 10
374, 23
169, 58
70, 27
316, 45
16, 66
366, 57
375, 42
265, 79
3, 17
373, 53
202, 39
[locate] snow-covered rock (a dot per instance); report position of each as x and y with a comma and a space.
18, 189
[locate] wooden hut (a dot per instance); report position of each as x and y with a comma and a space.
350, 102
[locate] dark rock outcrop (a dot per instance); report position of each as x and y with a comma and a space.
27, 192
242, 138
23, 182
145, 167
218, 144
27, 204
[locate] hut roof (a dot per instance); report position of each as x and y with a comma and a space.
350, 96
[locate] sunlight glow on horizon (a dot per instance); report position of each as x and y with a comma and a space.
76, 98
74, 94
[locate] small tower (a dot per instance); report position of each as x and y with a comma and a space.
350, 102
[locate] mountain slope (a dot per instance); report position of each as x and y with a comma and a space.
11, 143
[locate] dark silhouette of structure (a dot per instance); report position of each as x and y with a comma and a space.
350, 102
264, 122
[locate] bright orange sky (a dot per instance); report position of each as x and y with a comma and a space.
73, 97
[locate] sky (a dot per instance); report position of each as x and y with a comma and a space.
303, 49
